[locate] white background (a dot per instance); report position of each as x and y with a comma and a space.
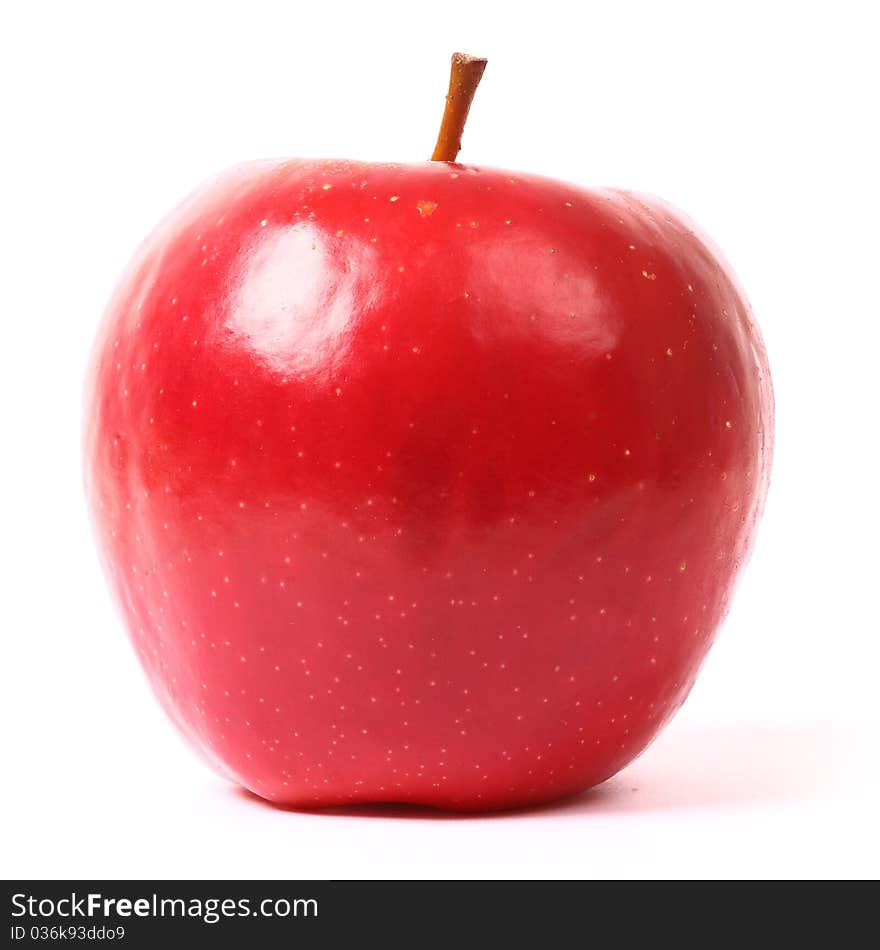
759, 119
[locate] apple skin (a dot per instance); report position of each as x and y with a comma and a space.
424, 483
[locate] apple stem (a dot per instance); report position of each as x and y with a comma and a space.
467, 71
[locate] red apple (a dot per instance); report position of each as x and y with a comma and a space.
424, 483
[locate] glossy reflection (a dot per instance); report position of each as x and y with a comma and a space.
296, 301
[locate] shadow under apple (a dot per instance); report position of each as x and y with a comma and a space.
687, 767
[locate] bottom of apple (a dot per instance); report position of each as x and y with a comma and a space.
388, 799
